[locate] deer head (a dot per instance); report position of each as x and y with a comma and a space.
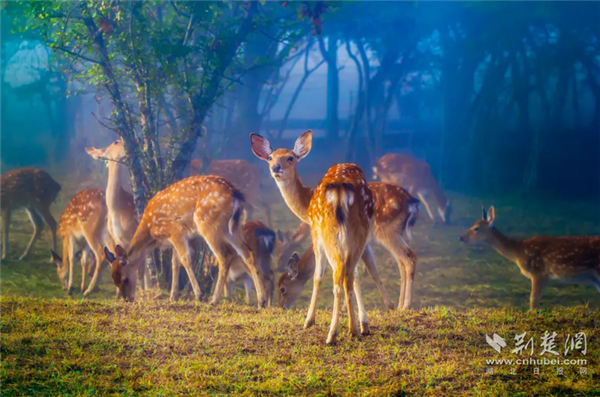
115, 152
290, 287
480, 231
282, 162
123, 272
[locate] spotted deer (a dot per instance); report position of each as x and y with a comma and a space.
541, 258
34, 190
202, 206
82, 226
122, 219
299, 270
395, 211
417, 178
261, 241
243, 175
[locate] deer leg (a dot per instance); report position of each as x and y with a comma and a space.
175, 269
84, 267
94, 238
369, 260
422, 198
408, 278
537, 286
251, 267
69, 260
44, 212
248, 288
362, 313
5, 225
182, 247
38, 226
320, 266
338, 281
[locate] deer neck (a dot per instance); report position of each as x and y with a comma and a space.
504, 245
114, 188
297, 196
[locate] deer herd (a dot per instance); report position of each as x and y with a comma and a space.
343, 215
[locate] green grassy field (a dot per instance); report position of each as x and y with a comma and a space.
58, 345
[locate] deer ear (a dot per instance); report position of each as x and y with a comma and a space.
292, 266
109, 255
260, 146
303, 144
121, 253
483, 214
95, 153
491, 216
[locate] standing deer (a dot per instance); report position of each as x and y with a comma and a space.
34, 190
200, 206
82, 225
243, 175
416, 176
395, 211
122, 217
541, 258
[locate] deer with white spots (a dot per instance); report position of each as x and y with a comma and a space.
34, 190
243, 175
417, 178
82, 225
200, 206
541, 258
395, 211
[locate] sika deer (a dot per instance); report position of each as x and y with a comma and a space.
83, 223
34, 190
243, 175
541, 258
288, 244
416, 176
299, 271
261, 241
395, 211
122, 216
200, 206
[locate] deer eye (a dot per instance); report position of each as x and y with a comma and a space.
282, 289
476, 229
115, 142
290, 159
269, 158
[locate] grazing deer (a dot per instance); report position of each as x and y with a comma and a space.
299, 271
261, 241
34, 190
82, 225
395, 211
200, 206
243, 175
289, 243
416, 176
541, 258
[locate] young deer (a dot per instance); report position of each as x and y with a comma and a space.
289, 243
299, 271
541, 258
395, 211
200, 206
243, 175
416, 176
261, 241
82, 225
34, 190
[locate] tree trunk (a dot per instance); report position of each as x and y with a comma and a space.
333, 86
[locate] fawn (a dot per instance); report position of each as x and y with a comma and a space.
261, 241
200, 206
395, 211
34, 190
541, 258
82, 224
416, 176
243, 175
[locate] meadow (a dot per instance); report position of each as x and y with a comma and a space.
58, 345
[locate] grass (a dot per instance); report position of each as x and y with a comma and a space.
57, 345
